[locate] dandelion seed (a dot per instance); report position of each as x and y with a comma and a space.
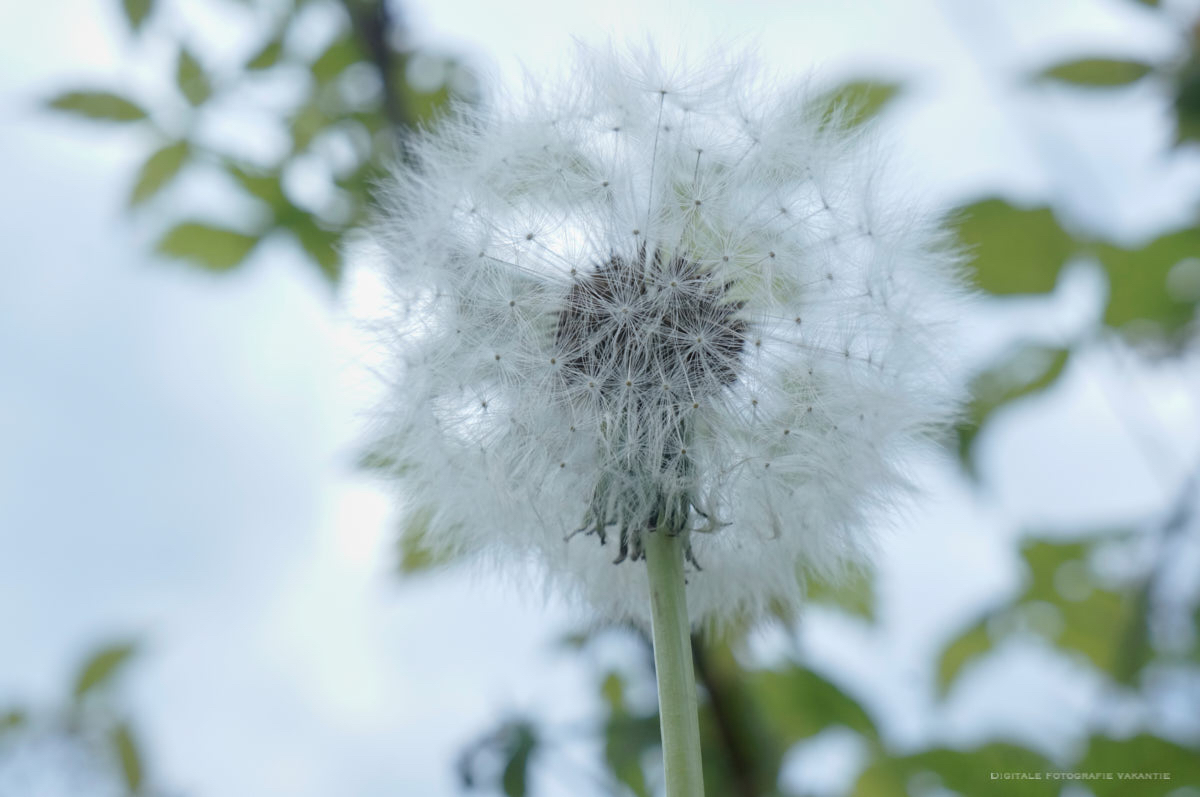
645, 380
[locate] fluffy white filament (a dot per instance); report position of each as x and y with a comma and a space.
650, 296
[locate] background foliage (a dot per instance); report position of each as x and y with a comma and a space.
352, 99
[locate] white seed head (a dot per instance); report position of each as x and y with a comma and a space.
652, 297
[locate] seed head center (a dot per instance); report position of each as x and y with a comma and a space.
660, 325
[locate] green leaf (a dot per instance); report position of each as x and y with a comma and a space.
1140, 288
1187, 99
1195, 653
854, 103
12, 720
1097, 72
424, 104
880, 779
307, 122
128, 757
136, 12
1135, 651
1094, 623
1020, 250
1143, 755
742, 748
971, 771
102, 667
211, 247
192, 81
158, 170
979, 772
266, 186
1015, 250
102, 105
576, 640
1083, 615
321, 245
522, 744
416, 553
381, 457
854, 594
627, 736
340, 54
966, 647
1025, 372
268, 56
799, 703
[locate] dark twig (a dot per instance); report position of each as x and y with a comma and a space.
375, 25
721, 700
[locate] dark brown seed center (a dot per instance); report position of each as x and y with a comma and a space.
660, 327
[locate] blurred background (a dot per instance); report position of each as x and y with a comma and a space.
206, 585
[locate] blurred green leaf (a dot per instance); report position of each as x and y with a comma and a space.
102, 667
1187, 98
971, 771
743, 750
576, 640
522, 743
798, 703
855, 593
266, 186
1025, 372
359, 186
158, 170
627, 736
1135, 651
425, 103
416, 553
128, 757
380, 457
12, 720
1097, 72
966, 647
321, 245
880, 779
340, 54
136, 12
425, 106
1015, 250
1023, 250
102, 105
1195, 653
307, 122
1060, 588
855, 102
192, 81
268, 56
213, 248
979, 773
1094, 622
1138, 281
1141, 755
514, 742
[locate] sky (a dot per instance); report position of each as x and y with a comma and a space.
176, 448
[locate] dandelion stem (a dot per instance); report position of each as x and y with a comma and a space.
673, 664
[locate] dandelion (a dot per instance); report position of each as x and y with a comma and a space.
660, 326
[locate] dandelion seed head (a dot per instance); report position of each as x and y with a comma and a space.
656, 297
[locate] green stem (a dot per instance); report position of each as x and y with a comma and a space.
673, 664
